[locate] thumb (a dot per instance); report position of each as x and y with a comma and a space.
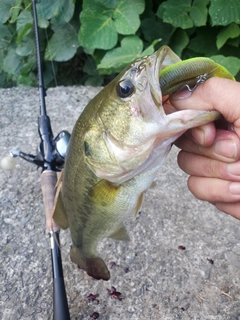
218, 94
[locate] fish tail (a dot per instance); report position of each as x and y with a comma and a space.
94, 266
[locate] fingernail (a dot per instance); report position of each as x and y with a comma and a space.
182, 94
234, 168
226, 148
234, 188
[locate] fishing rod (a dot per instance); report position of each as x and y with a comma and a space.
50, 157
53, 161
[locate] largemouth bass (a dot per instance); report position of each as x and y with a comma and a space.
118, 144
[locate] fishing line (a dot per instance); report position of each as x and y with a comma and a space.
51, 61
49, 48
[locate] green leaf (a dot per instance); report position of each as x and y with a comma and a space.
26, 80
12, 62
179, 41
26, 48
2, 80
97, 30
93, 78
234, 42
63, 44
5, 11
118, 58
110, 4
66, 11
94, 81
126, 16
232, 64
224, 12
15, 11
176, 12
6, 37
43, 23
199, 12
203, 43
230, 32
90, 67
1, 61
24, 24
149, 50
29, 65
153, 30
61, 10
48, 9
101, 21
48, 74
228, 50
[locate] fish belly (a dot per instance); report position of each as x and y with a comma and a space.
107, 207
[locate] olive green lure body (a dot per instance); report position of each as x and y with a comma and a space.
190, 73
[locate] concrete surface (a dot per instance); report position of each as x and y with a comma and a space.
156, 279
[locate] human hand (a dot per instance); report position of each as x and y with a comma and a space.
211, 156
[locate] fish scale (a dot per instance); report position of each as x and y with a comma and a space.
118, 144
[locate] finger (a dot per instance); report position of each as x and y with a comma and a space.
214, 190
212, 96
230, 208
203, 135
200, 166
226, 146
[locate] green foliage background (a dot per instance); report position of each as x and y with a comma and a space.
89, 41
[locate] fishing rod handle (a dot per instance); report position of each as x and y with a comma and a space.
48, 184
60, 303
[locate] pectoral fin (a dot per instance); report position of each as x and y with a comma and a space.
58, 214
120, 234
104, 193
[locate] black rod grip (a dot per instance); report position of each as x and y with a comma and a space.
60, 304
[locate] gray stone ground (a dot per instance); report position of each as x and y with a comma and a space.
162, 281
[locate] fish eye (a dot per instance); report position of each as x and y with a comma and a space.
125, 89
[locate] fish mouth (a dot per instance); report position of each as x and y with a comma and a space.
161, 59
154, 67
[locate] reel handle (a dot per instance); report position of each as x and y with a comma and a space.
8, 162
